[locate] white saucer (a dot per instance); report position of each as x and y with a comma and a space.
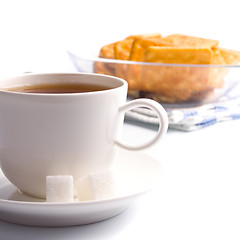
138, 173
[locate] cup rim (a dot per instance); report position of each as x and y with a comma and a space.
123, 83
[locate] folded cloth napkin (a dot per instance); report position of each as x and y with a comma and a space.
193, 118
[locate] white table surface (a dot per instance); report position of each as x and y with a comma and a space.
198, 196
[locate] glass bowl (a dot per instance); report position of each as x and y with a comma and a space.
173, 85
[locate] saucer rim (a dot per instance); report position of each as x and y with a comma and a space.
89, 202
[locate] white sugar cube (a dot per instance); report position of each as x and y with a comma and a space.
95, 186
59, 188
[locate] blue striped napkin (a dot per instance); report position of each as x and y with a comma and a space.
203, 116
194, 118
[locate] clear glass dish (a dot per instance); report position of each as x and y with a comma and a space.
173, 85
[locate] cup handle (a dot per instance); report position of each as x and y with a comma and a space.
162, 116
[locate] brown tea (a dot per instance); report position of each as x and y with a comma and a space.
58, 88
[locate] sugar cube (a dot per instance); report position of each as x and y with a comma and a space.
95, 186
59, 188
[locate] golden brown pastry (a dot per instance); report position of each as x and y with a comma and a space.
186, 82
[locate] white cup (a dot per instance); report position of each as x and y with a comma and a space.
64, 134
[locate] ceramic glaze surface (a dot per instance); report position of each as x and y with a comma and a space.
63, 134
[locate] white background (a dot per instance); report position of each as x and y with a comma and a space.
199, 195
35, 35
